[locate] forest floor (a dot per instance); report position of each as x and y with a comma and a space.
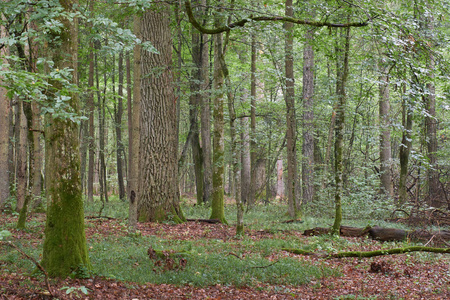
405, 276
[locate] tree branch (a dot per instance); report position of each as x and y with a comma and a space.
251, 18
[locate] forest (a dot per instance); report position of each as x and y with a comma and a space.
224, 149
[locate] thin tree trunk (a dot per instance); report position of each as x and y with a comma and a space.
134, 105
308, 120
385, 134
291, 124
100, 129
217, 206
405, 148
91, 109
205, 116
252, 190
5, 110
342, 54
118, 120
21, 157
245, 159
194, 104
430, 125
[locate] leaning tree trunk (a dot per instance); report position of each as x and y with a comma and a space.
65, 243
291, 125
342, 53
158, 165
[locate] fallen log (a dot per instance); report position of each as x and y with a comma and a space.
366, 254
389, 252
210, 221
387, 234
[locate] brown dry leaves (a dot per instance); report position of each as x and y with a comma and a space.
387, 277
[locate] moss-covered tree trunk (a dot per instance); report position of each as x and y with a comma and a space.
158, 165
342, 53
65, 242
217, 205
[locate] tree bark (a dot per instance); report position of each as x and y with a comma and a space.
308, 120
195, 100
252, 190
120, 151
158, 163
280, 180
65, 242
217, 206
291, 124
430, 125
134, 108
205, 116
386, 185
21, 157
342, 53
245, 159
5, 109
90, 111
405, 147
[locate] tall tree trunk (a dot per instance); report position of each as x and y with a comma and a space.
252, 190
430, 125
405, 147
21, 157
217, 206
234, 152
118, 120
134, 108
308, 120
280, 181
205, 115
342, 54
65, 243
91, 112
385, 133
158, 169
5, 110
245, 160
194, 104
291, 124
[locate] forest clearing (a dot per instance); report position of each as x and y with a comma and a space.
219, 265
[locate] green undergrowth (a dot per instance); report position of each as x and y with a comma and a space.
239, 262
209, 262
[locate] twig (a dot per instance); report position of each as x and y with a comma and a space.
234, 254
38, 265
429, 241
